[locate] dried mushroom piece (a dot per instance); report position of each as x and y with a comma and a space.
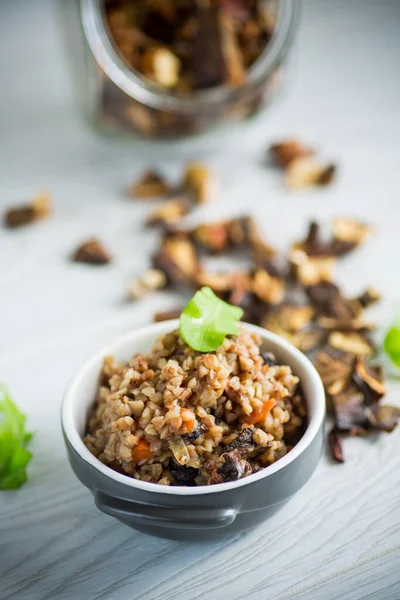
311, 260
307, 341
235, 73
166, 315
206, 66
199, 183
286, 151
310, 270
162, 66
350, 413
322, 294
234, 466
38, 208
150, 281
384, 417
369, 297
352, 342
177, 258
333, 324
92, 252
305, 172
222, 282
150, 185
370, 380
335, 369
348, 234
335, 444
182, 474
213, 237
267, 287
294, 324
169, 212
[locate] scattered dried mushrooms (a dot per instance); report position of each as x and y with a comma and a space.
300, 303
300, 165
39, 208
92, 252
150, 185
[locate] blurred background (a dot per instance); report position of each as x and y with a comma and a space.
341, 96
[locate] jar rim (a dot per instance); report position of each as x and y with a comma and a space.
149, 94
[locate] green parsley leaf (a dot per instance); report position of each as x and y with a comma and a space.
391, 343
207, 320
14, 457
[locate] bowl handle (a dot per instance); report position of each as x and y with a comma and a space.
165, 516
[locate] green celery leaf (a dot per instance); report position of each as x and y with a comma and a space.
207, 320
14, 457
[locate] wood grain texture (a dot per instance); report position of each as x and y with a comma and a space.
340, 536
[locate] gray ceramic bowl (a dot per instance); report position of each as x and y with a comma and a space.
192, 513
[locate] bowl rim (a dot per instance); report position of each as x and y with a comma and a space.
73, 437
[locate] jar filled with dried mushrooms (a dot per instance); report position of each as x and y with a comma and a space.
171, 68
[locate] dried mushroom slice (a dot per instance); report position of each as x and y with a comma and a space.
370, 380
169, 212
352, 342
335, 369
222, 282
199, 183
213, 237
240, 231
384, 417
356, 324
369, 297
322, 294
162, 66
307, 341
235, 73
305, 172
177, 258
166, 315
38, 208
150, 185
266, 287
92, 252
343, 309
349, 234
234, 466
292, 317
206, 65
288, 322
335, 444
285, 152
350, 412
310, 270
150, 281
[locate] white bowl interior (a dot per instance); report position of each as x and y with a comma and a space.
80, 396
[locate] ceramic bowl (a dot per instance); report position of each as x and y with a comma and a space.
192, 513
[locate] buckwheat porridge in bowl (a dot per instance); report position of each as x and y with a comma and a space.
184, 414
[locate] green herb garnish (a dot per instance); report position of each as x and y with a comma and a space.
14, 456
207, 320
391, 343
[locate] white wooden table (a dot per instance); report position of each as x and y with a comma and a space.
339, 537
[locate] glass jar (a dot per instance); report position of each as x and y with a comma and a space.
118, 99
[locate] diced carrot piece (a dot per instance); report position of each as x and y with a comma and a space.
261, 413
189, 419
141, 451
